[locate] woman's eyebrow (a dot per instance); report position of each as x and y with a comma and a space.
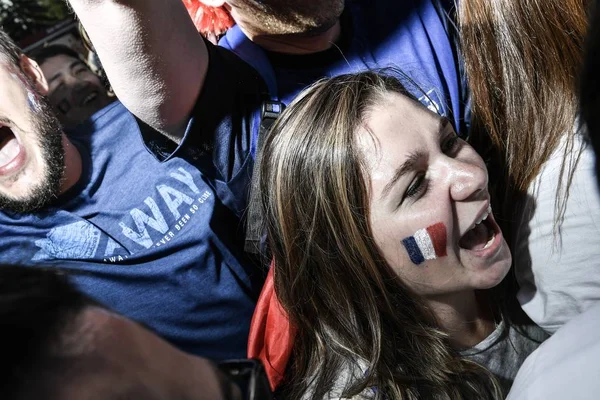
406, 167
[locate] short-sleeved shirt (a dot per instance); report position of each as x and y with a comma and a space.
153, 230
505, 350
413, 36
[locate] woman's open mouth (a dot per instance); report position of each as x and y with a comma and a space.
11, 151
483, 237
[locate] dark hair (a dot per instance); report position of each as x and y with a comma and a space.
590, 85
37, 308
352, 312
9, 49
42, 54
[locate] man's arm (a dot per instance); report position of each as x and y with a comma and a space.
153, 56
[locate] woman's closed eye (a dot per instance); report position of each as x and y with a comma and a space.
417, 188
450, 144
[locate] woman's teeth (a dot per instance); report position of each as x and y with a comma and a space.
489, 242
484, 216
479, 236
9, 146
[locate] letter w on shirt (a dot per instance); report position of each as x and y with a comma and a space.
142, 220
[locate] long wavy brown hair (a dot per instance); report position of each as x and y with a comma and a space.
351, 310
523, 59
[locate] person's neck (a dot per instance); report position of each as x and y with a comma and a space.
73, 166
467, 317
298, 44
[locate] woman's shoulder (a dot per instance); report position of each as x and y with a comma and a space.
505, 350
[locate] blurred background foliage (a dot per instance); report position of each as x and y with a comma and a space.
23, 18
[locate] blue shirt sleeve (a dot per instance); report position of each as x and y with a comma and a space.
224, 121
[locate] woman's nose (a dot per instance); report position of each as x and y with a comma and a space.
467, 180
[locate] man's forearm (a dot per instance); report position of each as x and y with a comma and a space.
153, 56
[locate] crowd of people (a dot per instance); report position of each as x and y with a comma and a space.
378, 200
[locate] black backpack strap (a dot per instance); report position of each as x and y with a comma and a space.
254, 225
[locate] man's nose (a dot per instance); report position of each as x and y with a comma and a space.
78, 84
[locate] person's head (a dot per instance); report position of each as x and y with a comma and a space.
31, 139
282, 17
59, 344
352, 171
74, 91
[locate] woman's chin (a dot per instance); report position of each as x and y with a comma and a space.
493, 274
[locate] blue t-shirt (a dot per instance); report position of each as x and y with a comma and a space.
154, 232
410, 35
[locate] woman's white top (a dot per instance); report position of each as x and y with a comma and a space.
559, 276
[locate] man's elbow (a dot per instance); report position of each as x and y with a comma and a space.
167, 115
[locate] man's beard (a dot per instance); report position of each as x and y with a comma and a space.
49, 137
300, 18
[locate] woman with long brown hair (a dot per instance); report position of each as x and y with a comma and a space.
384, 245
522, 59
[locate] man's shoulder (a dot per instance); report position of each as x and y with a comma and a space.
111, 130
232, 90
390, 15
227, 70
226, 111
107, 118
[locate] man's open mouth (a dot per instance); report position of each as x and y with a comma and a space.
9, 146
481, 235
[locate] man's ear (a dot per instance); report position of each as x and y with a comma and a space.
34, 73
213, 3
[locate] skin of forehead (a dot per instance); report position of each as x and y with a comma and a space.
61, 67
366, 137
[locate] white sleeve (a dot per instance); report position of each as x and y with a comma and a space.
564, 366
560, 278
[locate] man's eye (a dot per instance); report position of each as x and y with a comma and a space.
57, 87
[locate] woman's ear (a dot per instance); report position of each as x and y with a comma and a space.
34, 73
213, 3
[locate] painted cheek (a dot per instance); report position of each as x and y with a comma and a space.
426, 244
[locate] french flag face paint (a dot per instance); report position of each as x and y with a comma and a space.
426, 244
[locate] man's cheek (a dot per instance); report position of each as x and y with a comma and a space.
33, 101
